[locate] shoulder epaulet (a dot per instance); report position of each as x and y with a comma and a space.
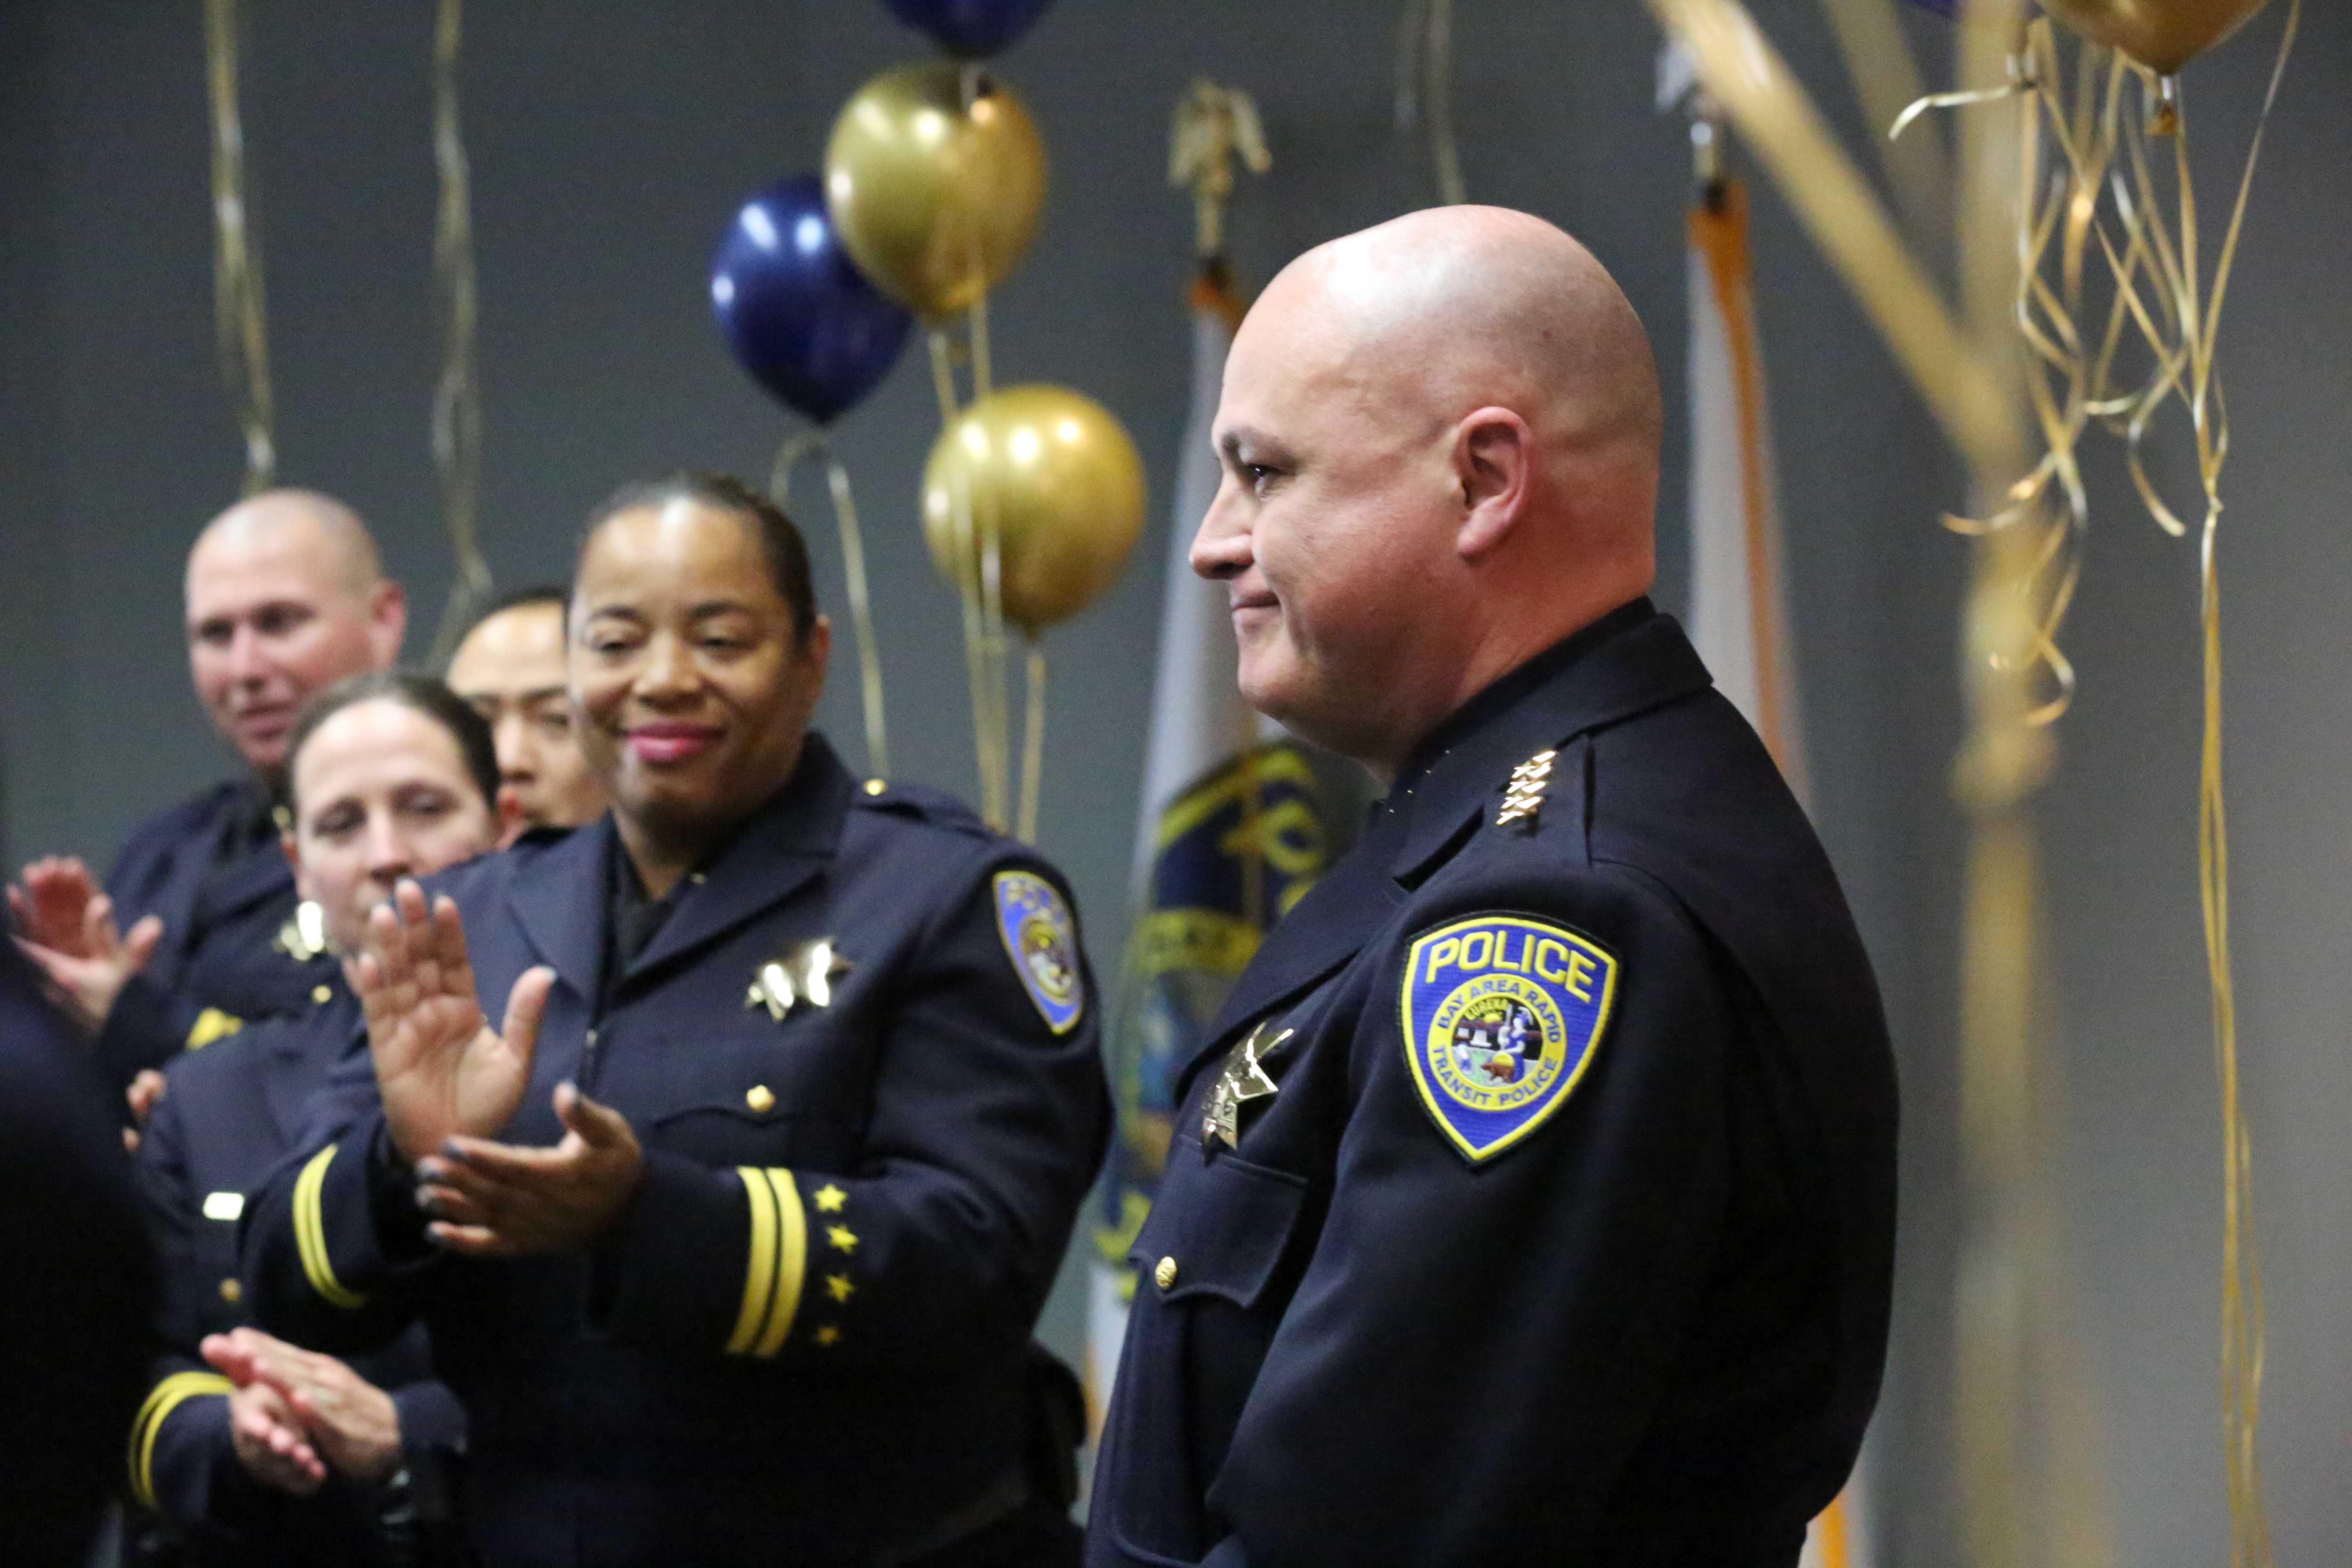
1523, 794
932, 806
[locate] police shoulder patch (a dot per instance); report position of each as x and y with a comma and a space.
1042, 940
1502, 1016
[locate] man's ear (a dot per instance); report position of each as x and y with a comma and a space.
1494, 467
387, 622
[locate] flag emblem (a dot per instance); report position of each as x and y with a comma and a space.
1502, 1015
1042, 942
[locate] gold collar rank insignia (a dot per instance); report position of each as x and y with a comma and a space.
803, 972
1243, 1079
303, 937
1523, 797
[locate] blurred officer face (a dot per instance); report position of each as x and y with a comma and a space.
284, 599
510, 668
381, 791
694, 694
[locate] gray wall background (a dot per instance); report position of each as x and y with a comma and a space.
609, 142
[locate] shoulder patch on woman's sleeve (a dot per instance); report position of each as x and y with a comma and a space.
1042, 940
1502, 1014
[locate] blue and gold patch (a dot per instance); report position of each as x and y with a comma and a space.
1042, 940
1502, 1016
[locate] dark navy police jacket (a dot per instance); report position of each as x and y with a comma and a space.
213, 868
1560, 1226
230, 1111
803, 1340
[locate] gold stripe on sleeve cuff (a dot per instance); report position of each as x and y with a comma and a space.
760, 1271
792, 1259
165, 1397
311, 1234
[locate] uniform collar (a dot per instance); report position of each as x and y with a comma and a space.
780, 845
1630, 660
562, 901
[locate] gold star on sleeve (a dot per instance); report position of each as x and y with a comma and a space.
842, 1237
839, 1286
827, 1336
829, 1198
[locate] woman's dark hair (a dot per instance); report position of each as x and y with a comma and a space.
426, 695
779, 542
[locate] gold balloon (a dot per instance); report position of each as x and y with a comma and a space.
1057, 475
2162, 35
936, 201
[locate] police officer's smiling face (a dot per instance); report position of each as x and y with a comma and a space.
695, 693
381, 791
1331, 529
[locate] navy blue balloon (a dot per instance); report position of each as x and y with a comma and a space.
804, 321
969, 28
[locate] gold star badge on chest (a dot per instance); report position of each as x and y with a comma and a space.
801, 973
1241, 1079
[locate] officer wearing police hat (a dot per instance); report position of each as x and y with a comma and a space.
1532, 1199
732, 1236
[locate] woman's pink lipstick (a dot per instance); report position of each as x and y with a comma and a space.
670, 742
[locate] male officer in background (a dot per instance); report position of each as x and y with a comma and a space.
285, 596
509, 668
1533, 1198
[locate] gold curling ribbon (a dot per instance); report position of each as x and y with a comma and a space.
457, 392
2159, 290
812, 443
239, 321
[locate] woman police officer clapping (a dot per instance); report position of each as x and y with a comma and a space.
731, 1237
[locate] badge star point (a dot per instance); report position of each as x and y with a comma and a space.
839, 1287
843, 1238
829, 1199
1241, 1079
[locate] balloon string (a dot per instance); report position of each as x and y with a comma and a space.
457, 395
1033, 744
812, 442
988, 736
1425, 88
239, 319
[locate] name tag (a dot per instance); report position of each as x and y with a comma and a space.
224, 1205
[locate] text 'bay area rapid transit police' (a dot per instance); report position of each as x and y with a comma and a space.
1531, 1199
814, 1100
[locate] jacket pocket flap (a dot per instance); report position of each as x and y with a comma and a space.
1220, 1228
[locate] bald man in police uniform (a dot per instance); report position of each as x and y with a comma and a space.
1532, 1199
194, 934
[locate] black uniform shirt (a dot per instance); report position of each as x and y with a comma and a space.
1532, 1198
